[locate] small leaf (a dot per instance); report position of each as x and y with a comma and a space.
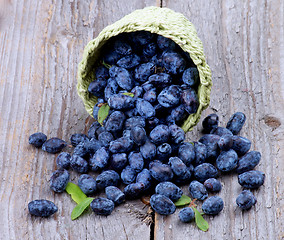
80, 208
76, 193
184, 200
103, 113
128, 94
200, 221
106, 65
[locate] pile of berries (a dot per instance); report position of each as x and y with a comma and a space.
150, 85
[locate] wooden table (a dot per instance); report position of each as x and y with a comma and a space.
41, 44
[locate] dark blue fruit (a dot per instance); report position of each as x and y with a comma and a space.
169, 190
213, 185
200, 153
227, 160
248, 161
246, 200
150, 95
177, 135
59, 180
144, 177
186, 214
160, 134
180, 170
102, 206
97, 88
118, 161
164, 151
143, 71
122, 47
137, 91
79, 164
87, 184
147, 86
205, 171
213, 205
152, 123
102, 73
110, 56
63, 160
190, 100
76, 138
37, 139
144, 108
121, 145
54, 145
178, 114
115, 122
93, 145
162, 204
115, 194
161, 172
141, 37
120, 101
42, 208
138, 135
105, 138
160, 80
211, 142
241, 145
129, 61
92, 130
107, 178
210, 122
148, 150
100, 159
82, 149
136, 161
170, 96
173, 62
190, 76
165, 43
220, 131
134, 190
111, 88
134, 121
186, 153
225, 142
123, 78
236, 122
128, 175
197, 190
251, 179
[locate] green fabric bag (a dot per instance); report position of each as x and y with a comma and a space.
162, 21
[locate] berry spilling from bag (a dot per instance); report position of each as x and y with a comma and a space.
146, 86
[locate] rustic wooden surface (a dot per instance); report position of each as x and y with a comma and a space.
41, 43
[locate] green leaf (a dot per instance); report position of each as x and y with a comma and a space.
76, 193
128, 94
184, 200
80, 208
103, 113
200, 222
106, 65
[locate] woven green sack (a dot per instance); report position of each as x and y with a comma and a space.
162, 21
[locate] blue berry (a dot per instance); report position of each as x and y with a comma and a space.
177, 135
160, 80
129, 61
225, 142
236, 122
54, 145
197, 190
170, 96
157, 60
161, 172
102, 73
134, 121
248, 161
37, 139
200, 153
123, 77
105, 138
246, 200
97, 87
173, 62
251, 179
190, 76
162, 204
144, 177
102, 206
180, 170
165, 43
211, 142
138, 135
42, 208
111, 88
121, 145
150, 95
122, 47
59, 180
79, 164
210, 122
120, 102
205, 171
92, 130
164, 151
115, 122
115, 194
148, 150
81, 149
160, 134
169, 190
137, 91
128, 175
141, 37
151, 123
186, 153
118, 161
100, 159
178, 114
213, 205
241, 145
134, 190
110, 56
136, 161
190, 100
186, 214
87, 184
213, 185
220, 131
63, 160
107, 178
149, 50
143, 71
227, 160
93, 145
76, 138
144, 108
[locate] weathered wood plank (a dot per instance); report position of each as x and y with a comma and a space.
244, 48
40, 48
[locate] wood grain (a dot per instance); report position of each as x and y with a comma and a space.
243, 43
41, 44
